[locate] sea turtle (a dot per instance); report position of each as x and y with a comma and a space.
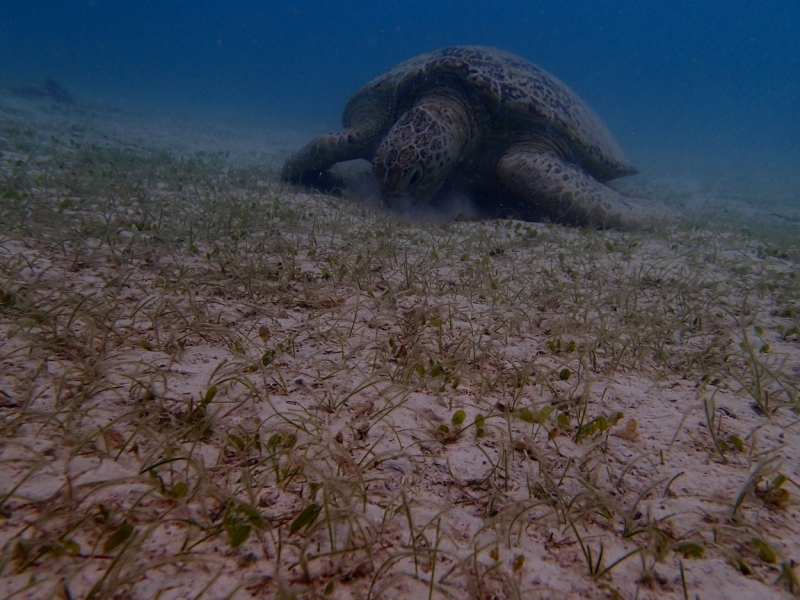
485, 117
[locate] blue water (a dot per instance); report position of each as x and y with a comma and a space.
679, 82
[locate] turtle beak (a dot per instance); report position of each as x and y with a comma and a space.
396, 182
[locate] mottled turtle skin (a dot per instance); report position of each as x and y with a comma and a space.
483, 116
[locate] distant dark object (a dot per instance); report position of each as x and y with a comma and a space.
49, 89
790, 218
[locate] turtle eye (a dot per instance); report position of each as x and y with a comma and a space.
415, 177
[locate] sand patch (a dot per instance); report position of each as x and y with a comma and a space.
216, 384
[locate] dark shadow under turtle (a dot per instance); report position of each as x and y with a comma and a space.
488, 121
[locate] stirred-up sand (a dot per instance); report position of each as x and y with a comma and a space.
215, 385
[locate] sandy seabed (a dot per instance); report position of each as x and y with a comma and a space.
215, 385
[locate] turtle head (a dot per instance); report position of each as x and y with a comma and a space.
419, 152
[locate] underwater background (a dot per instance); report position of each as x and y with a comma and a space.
690, 89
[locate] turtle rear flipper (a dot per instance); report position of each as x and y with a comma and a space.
567, 192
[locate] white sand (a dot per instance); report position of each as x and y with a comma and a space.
379, 331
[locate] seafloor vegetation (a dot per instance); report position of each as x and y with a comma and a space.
215, 385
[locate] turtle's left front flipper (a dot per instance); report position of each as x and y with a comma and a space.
309, 164
568, 192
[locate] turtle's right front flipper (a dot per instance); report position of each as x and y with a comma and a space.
309, 164
567, 192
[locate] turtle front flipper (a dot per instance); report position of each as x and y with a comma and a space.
309, 164
568, 192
